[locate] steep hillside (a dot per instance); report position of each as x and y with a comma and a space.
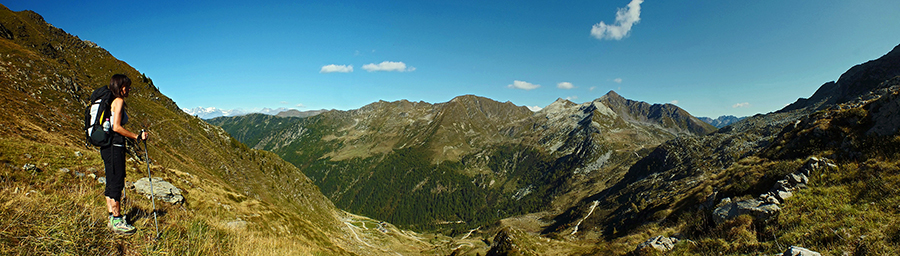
238, 200
439, 166
681, 187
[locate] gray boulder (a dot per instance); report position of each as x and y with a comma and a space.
759, 209
162, 190
659, 243
800, 251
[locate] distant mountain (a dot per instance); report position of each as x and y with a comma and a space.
212, 112
721, 121
298, 113
417, 164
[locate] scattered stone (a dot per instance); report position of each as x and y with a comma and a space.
63, 170
162, 190
78, 174
759, 209
27, 156
766, 205
29, 167
78, 154
800, 251
92, 169
770, 198
101, 180
92, 176
236, 224
797, 178
782, 195
659, 243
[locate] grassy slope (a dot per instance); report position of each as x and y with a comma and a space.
47, 76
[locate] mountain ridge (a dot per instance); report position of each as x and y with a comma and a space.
568, 142
855, 82
721, 121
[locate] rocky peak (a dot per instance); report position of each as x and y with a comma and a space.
476, 107
613, 97
666, 116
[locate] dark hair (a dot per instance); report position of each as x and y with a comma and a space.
117, 82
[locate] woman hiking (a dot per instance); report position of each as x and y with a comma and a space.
114, 155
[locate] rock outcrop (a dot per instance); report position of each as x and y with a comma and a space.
659, 243
800, 251
766, 205
162, 190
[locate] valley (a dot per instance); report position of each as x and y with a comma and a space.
470, 176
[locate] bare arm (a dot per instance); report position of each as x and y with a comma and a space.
116, 108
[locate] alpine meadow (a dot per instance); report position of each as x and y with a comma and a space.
469, 176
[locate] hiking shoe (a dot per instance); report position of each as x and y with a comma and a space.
120, 226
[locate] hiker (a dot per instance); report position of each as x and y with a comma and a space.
114, 155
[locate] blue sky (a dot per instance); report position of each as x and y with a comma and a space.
709, 57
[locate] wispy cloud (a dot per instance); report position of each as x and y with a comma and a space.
625, 18
592, 88
572, 98
523, 85
388, 66
336, 69
674, 102
300, 105
741, 105
618, 80
565, 85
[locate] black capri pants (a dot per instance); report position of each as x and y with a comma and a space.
114, 162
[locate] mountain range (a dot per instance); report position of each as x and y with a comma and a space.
721, 121
394, 160
471, 176
212, 112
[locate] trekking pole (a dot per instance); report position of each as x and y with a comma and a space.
152, 192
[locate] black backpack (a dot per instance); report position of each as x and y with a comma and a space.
97, 127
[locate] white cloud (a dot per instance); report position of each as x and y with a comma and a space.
565, 85
618, 80
674, 102
336, 68
625, 18
523, 85
534, 108
300, 105
388, 66
572, 98
741, 105
592, 88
